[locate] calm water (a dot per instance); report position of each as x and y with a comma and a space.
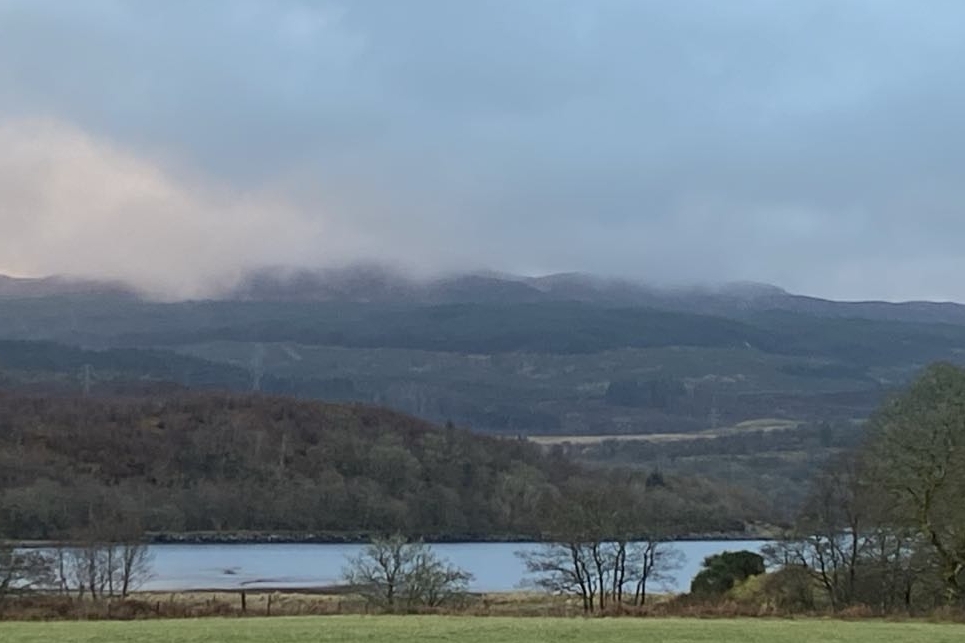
495, 565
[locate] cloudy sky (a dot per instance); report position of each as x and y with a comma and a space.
817, 145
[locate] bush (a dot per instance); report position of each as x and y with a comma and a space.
790, 589
722, 571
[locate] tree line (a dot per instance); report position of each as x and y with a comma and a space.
883, 526
94, 569
231, 464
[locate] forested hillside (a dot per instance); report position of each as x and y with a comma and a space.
78, 467
561, 357
564, 367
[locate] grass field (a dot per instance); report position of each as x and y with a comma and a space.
414, 629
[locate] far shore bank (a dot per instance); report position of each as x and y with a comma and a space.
362, 538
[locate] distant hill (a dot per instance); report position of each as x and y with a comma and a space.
213, 462
560, 354
58, 368
17, 288
377, 284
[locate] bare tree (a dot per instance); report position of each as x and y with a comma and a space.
102, 569
653, 563
23, 570
395, 573
563, 568
831, 536
601, 551
848, 542
917, 458
136, 566
432, 581
602, 572
85, 570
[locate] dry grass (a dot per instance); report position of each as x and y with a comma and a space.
522, 604
762, 425
198, 604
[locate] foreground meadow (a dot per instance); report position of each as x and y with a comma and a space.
406, 629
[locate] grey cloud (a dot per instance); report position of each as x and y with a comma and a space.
816, 145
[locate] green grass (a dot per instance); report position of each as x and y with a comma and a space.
480, 629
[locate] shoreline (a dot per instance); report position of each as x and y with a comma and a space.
364, 538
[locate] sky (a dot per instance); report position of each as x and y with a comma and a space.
816, 145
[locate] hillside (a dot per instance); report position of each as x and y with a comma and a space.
222, 463
564, 367
561, 356
374, 284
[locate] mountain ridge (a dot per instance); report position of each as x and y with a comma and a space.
61, 285
377, 284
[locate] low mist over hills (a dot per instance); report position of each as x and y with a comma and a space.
21, 287
376, 284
